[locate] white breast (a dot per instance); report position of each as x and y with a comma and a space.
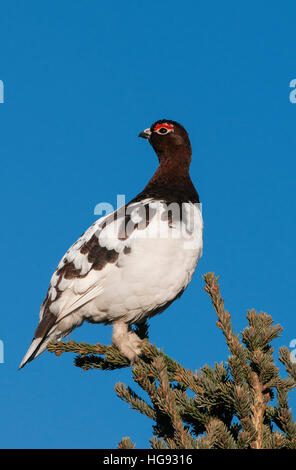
154, 263
160, 265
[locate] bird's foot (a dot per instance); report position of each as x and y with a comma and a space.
128, 343
135, 342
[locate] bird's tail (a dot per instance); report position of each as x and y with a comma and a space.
33, 351
43, 334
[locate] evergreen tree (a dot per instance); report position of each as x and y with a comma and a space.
239, 404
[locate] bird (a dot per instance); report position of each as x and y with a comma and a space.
134, 262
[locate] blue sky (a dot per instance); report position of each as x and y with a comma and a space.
81, 80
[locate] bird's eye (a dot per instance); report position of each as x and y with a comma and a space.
163, 130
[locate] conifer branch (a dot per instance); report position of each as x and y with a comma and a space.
126, 443
238, 361
158, 443
285, 358
232, 405
88, 358
128, 395
217, 436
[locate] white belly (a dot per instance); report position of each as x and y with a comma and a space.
156, 264
157, 269
145, 282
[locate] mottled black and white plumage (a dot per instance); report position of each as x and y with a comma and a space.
133, 263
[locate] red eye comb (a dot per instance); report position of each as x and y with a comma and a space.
167, 126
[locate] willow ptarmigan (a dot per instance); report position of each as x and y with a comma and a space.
133, 263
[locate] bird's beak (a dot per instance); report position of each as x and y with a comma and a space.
145, 134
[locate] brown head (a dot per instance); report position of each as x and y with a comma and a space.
171, 143
169, 140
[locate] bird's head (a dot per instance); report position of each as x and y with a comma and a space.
169, 139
